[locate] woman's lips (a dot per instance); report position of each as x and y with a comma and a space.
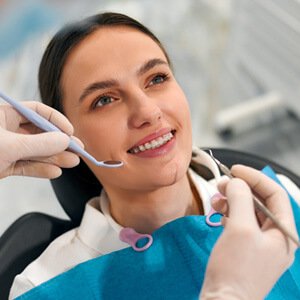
155, 146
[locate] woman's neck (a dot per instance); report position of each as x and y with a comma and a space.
147, 211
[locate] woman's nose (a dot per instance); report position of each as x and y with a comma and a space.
144, 112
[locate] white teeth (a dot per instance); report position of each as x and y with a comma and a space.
160, 141
142, 148
153, 144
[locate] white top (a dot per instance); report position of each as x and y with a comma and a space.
98, 234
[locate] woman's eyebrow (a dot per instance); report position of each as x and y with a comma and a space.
97, 86
151, 63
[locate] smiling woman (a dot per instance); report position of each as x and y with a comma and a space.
112, 78
139, 100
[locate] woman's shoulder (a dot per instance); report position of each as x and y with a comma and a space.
68, 250
62, 254
59, 256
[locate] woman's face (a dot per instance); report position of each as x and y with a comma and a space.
125, 104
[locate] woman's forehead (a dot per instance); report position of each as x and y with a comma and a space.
115, 43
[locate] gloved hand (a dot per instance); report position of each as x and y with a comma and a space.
26, 150
251, 254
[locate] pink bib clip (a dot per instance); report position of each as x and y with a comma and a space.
131, 237
208, 220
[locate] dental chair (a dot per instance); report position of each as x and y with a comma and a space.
29, 235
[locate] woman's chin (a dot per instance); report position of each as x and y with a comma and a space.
168, 175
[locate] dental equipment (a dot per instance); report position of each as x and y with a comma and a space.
258, 204
44, 124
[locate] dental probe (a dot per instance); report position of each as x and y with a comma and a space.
44, 124
258, 204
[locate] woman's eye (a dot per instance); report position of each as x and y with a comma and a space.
158, 79
103, 100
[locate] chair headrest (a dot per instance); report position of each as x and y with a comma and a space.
74, 188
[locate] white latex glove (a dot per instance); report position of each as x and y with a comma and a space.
249, 258
27, 150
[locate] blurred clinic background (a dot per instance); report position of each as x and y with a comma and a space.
238, 62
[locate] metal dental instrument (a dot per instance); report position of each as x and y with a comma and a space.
44, 124
258, 204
